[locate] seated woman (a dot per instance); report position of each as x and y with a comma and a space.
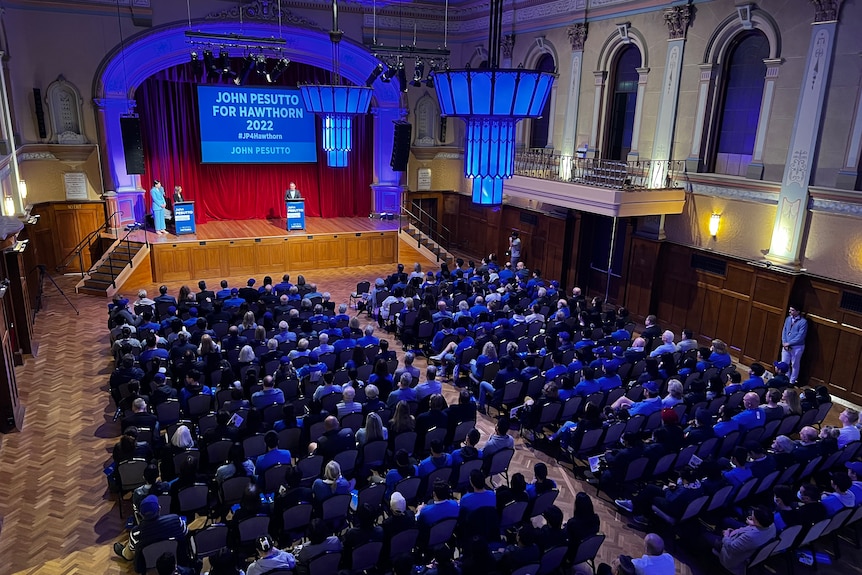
489, 355
180, 441
674, 394
719, 357
373, 430
332, 483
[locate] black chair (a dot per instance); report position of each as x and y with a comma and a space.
441, 533
294, 522
366, 556
498, 464
209, 541
587, 551
130, 476
150, 554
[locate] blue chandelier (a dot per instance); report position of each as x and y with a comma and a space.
491, 101
336, 104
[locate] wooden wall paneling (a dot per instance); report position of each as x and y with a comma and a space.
710, 310
66, 235
820, 352
239, 256
573, 240
359, 250
330, 251
207, 259
172, 262
43, 236
641, 279
19, 292
300, 256
11, 409
271, 256
384, 249
846, 367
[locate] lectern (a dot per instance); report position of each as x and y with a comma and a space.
295, 214
184, 218
11, 410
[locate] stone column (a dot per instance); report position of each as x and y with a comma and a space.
577, 37
600, 78
848, 175
755, 168
507, 46
386, 185
791, 215
677, 19
695, 161
108, 113
643, 74
6, 112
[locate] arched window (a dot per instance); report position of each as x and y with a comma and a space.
624, 95
741, 97
539, 129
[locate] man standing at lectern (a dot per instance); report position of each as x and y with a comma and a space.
292, 193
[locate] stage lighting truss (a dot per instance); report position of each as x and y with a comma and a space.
396, 61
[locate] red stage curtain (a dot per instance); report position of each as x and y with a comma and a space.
167, 105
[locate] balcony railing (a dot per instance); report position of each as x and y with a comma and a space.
612, 174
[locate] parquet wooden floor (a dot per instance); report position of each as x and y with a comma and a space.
57, 515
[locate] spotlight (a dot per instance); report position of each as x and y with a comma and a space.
248, 65
224, 66
375, 73
429, 80
260, 66
389, 73
280, 68
418, 71
211, 66
197, 66
402, 77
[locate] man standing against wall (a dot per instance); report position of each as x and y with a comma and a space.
514, 248
793, 341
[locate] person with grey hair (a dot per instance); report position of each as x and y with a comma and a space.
368, 338
324, 345
347, 403
655, 560
667, 345
404, 391
414, 372
430, 386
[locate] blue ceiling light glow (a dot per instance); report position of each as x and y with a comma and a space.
491, 101
337, 104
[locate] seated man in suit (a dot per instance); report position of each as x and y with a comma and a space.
333, 441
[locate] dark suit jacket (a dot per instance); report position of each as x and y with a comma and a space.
334, 442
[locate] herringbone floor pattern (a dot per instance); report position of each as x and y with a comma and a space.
57, 515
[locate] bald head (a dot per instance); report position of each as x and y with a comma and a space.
653, 544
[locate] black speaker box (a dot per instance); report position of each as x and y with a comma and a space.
401, 146
40, 113
133, 150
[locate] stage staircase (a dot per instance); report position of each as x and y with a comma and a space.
428, 247
112, 270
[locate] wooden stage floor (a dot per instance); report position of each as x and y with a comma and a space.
252, 229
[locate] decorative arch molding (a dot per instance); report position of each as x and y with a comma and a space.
614, 43
722, 37
426, 115
480, 54
538, 48
126, 67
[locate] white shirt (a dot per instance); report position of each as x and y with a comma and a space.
655, 565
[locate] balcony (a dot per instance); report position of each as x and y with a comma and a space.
607, 187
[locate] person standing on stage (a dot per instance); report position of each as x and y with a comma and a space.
292, 193
514, 248
157, 195
793, 341
178, 194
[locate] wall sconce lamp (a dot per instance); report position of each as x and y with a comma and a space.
8, 205
714, 221
22, 189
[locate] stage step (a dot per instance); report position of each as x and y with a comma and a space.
430, 245
102, 281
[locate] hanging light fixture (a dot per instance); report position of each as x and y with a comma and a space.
491, 101
336, 104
